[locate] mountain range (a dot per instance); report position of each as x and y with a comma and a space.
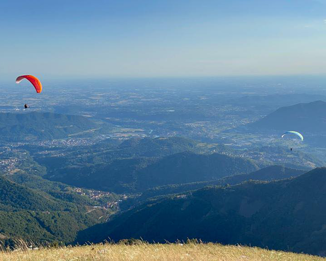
128, 175
285, 215
270, 173
303, 117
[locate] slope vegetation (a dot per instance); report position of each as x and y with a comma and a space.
266, 174
35, 215
283, 215
138, 174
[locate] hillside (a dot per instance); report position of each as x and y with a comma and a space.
138, 174
190, 167
303, 117
40, 126
265, 174
17, 197
108, 150
103, 153
41, 217
283, 215
44, 227
55, 189
146, 252
157, 147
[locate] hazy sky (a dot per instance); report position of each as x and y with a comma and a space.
117, 38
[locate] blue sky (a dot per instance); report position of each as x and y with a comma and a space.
158, 38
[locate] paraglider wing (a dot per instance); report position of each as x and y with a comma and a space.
33, 80
295, 133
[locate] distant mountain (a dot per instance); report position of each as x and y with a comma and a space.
108, 150
266, 174
111, 166
105, 152
288, 215
303, 117
157, 147
39, 126
278, 100
139, 174
189, 167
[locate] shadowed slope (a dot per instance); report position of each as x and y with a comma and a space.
287, 214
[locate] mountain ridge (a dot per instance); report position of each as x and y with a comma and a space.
303, 117
282, 215
139, 174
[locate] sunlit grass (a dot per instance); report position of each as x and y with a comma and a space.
144, 252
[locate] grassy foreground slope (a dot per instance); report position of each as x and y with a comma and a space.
146, 252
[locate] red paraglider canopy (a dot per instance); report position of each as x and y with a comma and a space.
33, 80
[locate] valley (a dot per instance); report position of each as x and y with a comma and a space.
100, 171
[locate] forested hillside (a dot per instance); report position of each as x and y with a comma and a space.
283, 215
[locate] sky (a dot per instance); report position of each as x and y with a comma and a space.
162, 38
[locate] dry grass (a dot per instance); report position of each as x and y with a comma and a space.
146, 252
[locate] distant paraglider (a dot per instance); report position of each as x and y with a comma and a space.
298, 134
33, 80
295, 133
